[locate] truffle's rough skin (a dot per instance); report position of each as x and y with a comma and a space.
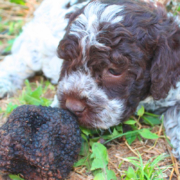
40, 143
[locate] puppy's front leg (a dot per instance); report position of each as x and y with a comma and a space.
13, 71
172, 127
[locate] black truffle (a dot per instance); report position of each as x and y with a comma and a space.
39, 143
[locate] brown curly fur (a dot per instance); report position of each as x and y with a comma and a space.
144, 48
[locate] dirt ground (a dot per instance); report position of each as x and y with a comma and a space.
117, 149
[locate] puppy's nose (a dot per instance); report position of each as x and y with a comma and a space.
75, 106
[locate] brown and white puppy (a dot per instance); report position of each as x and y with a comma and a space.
118, 55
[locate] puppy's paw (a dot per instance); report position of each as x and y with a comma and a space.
6, 88
9, 85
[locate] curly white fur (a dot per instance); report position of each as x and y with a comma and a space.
35, 49
171, 107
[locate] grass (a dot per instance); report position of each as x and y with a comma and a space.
150, 170
10, 29
144, 171
32, 94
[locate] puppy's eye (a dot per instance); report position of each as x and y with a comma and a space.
114, 72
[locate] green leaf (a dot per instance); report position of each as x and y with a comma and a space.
10, 107
111, 136
99, 156
48, 85
119, 128
84, 137
28, 87
145, 133
8, 48
151, 114
31, 100
100, 162
139, 137
84, 148
178, 9
131, 138
99, 176
110, 175
141, 111
123, 134
46, 102
80, 162
21, 2
85, 131
37, 92
85, 161
130, 173
34, 97
130, 122
11, 28
150, 120
15, 177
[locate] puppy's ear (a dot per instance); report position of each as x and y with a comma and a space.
165, 67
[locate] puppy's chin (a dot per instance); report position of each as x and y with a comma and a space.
100, 111
91, 119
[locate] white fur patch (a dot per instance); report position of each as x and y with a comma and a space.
111, 13
173, 97
55, 102
86, 26
171, 116
109, 111
176, 18
35, 49
172, 127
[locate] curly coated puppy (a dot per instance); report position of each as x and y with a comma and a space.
118, 55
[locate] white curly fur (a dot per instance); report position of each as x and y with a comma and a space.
35, 49
171, 110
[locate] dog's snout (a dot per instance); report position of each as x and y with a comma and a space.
75, 106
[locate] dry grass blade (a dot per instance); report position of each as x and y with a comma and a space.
175, 165
131, 149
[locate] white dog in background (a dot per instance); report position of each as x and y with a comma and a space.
35, 49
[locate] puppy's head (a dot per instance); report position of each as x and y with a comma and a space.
108, 52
